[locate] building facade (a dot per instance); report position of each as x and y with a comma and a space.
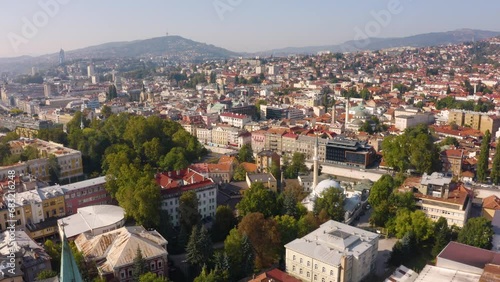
174, 183
333, 252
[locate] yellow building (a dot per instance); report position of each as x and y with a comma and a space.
69, 160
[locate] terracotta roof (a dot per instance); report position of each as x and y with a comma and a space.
274, 275
453, 153
174, 178
227, 159
491, 273
459, 195
491, 202
249, 167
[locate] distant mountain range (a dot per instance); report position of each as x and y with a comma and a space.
421, 40
179, 48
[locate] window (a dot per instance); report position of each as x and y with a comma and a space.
293, 257
122, 274
315, 277
315, 266
308, 274
300, 271
153, 265
300, 260
159, 264
323, 269
293, 268
130, 273
331, 272
308, 263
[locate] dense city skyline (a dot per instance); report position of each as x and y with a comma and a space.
36, 28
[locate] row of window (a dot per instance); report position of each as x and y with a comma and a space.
323, 269
153, 265
84, 192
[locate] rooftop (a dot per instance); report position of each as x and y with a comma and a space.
332, 240
433, 273
90, 218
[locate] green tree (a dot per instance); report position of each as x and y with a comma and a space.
415, 148
239, 252
45, 274
199, 248
140, 265
54, 251
332, 201
416, 222
476, 232
381, 190
482, 162
441, 236
188, 211
152, 277
205, 276
288, 230
54, 168
307, 223
224, 222
111, 94
264, 236
495, 169
258, 199
106, 111
175, 160
246, 153
297, 165
239, 173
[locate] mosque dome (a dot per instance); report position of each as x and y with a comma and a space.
326, 184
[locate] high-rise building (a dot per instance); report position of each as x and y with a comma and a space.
61, 57
90, 70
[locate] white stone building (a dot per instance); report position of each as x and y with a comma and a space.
333, 252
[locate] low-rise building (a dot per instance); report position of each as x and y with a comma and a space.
266, 178
491, 204
174, 183
30, 257
266, 159
234, 119
94, 220
438, 197
333, 252
69, 160
114, 251
85, 193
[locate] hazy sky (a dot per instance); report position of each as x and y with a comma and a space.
26, 28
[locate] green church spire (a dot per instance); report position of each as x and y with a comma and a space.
69, 268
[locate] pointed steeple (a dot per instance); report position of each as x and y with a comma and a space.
69, 268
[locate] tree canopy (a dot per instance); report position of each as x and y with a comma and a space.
415, 148
476, 232
258, 199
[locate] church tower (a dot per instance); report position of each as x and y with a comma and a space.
69, 268
315, 169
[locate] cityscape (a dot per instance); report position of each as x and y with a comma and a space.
147, 157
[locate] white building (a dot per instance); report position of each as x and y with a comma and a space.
236, 120
92, 220
333, 252
174, 183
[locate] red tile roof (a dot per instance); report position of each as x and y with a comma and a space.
275, 275
491, 202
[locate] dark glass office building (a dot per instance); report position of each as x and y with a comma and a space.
349, 152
